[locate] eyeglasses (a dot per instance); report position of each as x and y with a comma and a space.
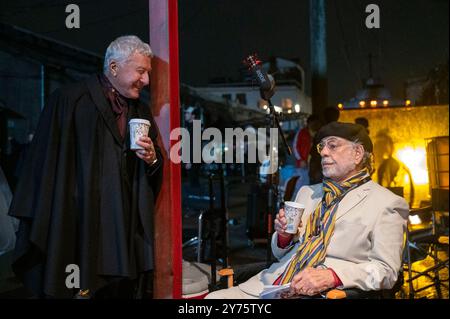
332, 146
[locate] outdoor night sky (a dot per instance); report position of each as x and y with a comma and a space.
215, 35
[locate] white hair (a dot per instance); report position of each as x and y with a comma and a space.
123, 47
367, 160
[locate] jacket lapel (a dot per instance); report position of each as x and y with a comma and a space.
352, 199
103, 106
316, 196
311, 206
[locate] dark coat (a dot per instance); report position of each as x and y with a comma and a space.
84, 197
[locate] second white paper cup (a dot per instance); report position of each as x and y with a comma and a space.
293, 212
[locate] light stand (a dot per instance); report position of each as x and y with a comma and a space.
267, 90
272, 179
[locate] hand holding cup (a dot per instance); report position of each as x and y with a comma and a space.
148, 153
289, 219
140, 142
281, 224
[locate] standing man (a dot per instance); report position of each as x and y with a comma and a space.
303, 141
302, 147
84, 199
364, 122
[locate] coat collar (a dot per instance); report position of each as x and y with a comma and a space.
352, 199
102, 104
349, 201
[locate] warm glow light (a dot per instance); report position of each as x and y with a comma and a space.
406, 180
373, 103
415, 160
341, 106
415, 220
385, 102
265, 107
362, 103
289, 111
408, 102
278, 109
297, 108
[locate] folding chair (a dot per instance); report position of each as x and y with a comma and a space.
432, 239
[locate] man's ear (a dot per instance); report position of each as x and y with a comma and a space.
113, 66
359, 152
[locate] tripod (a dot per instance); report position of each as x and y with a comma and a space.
207, 223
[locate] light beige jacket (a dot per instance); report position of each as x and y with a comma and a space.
366, 247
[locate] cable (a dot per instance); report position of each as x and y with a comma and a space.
344, 47
358, 34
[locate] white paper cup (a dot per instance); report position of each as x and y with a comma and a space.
138, 128
293, 212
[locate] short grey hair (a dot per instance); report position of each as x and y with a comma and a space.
123, 47
367, 160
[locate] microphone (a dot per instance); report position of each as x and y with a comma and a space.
265, 81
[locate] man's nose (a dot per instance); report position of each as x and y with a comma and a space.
325, 152
145, 78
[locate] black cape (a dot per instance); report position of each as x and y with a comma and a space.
84, 197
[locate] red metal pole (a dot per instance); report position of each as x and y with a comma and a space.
166, 109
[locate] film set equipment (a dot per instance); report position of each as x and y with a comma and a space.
267, 90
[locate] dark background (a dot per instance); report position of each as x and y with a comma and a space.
215, 35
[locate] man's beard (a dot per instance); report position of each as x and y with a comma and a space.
336, 172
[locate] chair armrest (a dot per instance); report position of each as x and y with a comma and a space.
227, 272
353, 293
336, 294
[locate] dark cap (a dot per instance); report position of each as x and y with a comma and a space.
349, 131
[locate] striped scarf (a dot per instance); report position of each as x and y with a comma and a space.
320, 226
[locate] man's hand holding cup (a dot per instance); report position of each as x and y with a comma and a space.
288, 219
148, 153
140, 142
281, 224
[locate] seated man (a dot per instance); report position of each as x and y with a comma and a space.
351, 234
